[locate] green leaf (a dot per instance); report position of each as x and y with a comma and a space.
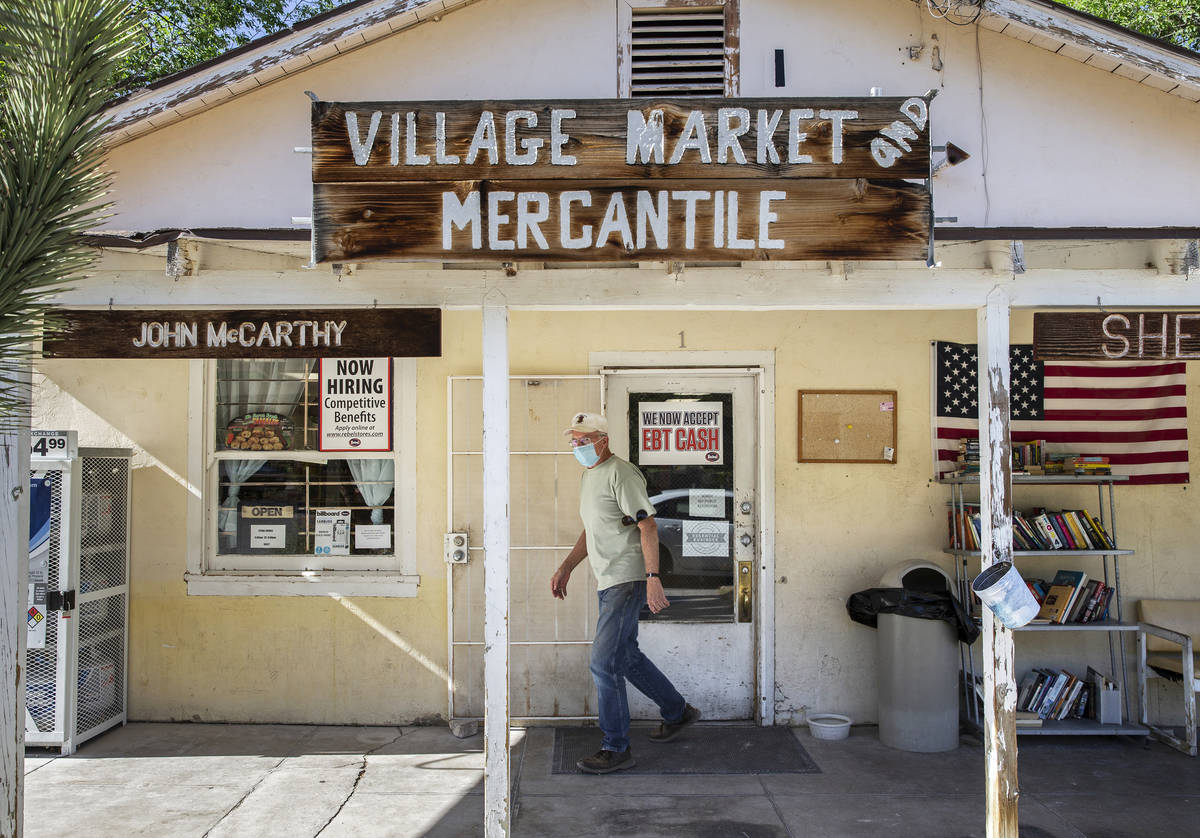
1175, 21
59, 57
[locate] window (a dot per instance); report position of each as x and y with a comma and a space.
676, 50
277, 508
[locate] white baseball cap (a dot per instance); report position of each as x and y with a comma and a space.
586, 423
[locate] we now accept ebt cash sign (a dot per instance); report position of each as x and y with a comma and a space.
356, 404
681, 433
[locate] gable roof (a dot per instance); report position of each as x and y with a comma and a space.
260, 62
1098, 43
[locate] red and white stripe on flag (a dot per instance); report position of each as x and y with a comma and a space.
1133, 412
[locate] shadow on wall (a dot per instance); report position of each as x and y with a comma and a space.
140, 405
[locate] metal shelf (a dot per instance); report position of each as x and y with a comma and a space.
1115, 629
1100, 625
1040, 553
1083, 727
1043, 479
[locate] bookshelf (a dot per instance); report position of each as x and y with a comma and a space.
1032, 563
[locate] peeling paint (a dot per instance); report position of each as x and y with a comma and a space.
344, 33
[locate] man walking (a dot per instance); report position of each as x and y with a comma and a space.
620, 540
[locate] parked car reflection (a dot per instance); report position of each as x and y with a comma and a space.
695, 537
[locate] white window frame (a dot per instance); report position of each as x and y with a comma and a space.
733, 29
389, 576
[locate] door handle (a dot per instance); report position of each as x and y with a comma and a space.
745, 586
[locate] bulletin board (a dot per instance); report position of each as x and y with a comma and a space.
847, 426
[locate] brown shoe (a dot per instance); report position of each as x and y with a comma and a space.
666, 732
606, 762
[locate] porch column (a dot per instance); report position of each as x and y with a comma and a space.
14, 576
496, 787
995, 501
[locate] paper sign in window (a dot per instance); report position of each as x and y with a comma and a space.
331, 532
681, 433
706, 538
706, 503
373, 537
268, 536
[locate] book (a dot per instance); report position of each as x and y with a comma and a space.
1052, 694
1070, 696
1031, 536
1025, 718
1045, 682
1064, 534
1043, 540
1084, 706
1020, 539
1081, 538
1044, 678
1089, 613
1076, 579
1026, 688
1039, 588
1100, 531
1048, 532
1082, 600
1088, 530
1055, 603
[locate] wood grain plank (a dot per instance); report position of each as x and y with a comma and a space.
1116, 336
596, 138
816, 219
268, 333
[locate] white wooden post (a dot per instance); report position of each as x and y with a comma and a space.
496, 786
995, 501
14, 595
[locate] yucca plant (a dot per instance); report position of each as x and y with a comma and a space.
57, 58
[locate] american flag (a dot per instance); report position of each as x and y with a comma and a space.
1133, 412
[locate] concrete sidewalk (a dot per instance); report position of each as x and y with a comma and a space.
220, 781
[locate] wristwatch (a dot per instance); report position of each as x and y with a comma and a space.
653, 575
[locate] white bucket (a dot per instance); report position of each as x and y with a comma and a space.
1003, 590
829, 725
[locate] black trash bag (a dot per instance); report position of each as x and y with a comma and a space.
865, 606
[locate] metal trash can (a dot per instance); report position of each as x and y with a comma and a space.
918, 668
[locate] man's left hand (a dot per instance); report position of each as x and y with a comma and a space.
655, 597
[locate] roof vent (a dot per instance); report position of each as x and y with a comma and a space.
678, 52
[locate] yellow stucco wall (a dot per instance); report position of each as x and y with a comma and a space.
311, 659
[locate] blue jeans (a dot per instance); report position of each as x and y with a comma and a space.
617, 658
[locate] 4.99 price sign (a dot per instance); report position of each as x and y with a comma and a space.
59, 445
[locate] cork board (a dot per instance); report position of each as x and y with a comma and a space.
847, 426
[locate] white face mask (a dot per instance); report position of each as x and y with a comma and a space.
586, 455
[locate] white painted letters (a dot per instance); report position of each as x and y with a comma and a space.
644, 138
360, 147
1124, 321
558, 139
461, 214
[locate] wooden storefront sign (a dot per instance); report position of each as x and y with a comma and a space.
257, 333
1116, 336
618, 180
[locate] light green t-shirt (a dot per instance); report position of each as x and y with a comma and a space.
608, 492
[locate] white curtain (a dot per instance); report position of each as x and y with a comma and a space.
248, 386
374, 479
252, 386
